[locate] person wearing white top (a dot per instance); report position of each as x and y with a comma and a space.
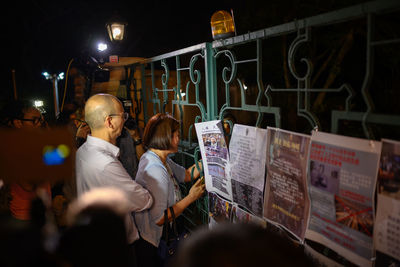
97, 163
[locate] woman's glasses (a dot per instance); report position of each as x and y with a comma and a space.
35, 120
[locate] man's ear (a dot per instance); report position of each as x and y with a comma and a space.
17, 123
107, 122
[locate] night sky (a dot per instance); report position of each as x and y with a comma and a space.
46, 35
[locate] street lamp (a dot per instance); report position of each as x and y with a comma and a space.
55, 78
116, 28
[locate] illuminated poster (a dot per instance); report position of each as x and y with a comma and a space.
214, 153
342, 177
286, 200
247, 152
387, 223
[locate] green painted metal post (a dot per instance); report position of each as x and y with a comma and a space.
211, 83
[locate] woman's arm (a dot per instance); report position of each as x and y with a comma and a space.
195, 192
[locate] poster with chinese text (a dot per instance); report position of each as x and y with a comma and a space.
341, 182
247, 156
286, 200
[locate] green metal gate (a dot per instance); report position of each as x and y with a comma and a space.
338, 72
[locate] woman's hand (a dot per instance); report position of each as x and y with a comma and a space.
195, 192
197, 189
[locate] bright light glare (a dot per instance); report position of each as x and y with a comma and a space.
116, 32
102, 47
46, 75
182, 94
38, 103
61, 76
244, 87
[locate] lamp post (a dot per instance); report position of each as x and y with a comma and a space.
116, 28
55, 78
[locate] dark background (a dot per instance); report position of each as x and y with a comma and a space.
45, 35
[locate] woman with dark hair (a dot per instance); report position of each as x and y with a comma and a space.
160, 175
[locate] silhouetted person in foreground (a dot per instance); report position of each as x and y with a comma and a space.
97, 238
239, 245
96, 233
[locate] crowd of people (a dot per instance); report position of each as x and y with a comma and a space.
112, 212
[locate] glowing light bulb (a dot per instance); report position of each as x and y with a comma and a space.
116, 32
102, 47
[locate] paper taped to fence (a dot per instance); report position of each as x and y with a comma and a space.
214, 153
247, 156
387, 223
219, 210
286, 201
341, 181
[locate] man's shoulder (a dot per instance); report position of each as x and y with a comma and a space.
96, 154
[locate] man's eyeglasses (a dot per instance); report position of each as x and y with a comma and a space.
34, 120
124, 115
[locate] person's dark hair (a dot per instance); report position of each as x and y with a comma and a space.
15, 110
131, 123
237, 245
97, 238
159, 131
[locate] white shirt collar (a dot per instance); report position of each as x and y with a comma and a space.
114, 150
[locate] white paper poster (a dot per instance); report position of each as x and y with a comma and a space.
387, 223
341, 180
214, 153
247, 152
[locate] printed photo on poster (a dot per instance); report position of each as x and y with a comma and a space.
354, 215
219, 210
389, 170
387, 223
324, 176
215, 155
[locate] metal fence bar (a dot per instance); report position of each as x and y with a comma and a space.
204, 59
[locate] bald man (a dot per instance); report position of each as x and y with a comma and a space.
97, 163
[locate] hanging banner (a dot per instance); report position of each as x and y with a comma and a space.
341, 180
219, 210
286, 201
387, 223
214, 153
247, 153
